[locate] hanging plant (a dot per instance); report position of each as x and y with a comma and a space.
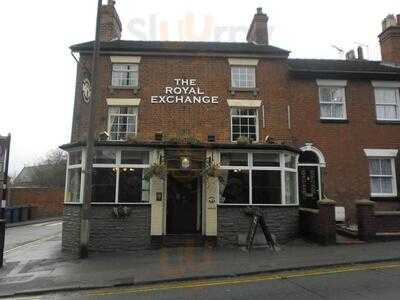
158, 170
212, 169
243, 140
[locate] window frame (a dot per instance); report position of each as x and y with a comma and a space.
247, 67
343, 88
80, 166
393, 176
256, 116
109, 125
396, 103
250, 167
118, 165
134, 85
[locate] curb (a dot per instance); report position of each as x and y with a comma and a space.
185, 279
11, 225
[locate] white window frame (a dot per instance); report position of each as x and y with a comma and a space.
82, 167
248, 116
383, 154
109, 125
118, 165
118, 82
250, 167
246, 69
395, 103
329, 83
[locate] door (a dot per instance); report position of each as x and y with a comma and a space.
182, 202
309, 186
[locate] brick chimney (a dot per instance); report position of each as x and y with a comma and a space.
258, 31
390, 39
110, 24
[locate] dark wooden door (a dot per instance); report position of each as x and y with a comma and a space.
308, 186
182, 196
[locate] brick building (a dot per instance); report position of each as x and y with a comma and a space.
191, 133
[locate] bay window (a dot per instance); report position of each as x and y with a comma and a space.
118, 176
258, 178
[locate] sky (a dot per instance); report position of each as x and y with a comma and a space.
37, 73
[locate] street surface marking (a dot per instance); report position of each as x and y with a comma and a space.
244, 279
33, 243
54, 224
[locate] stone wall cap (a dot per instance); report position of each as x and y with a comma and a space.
365, 202
326, 202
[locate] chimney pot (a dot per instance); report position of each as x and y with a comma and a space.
389, 39
259, 10
258, 31
110, 23
360, 53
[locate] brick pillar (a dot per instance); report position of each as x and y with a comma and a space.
326, 220
366, 220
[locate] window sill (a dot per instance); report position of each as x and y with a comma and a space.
343, 121
120, 204
388, 122
73, 203
384, 198
233, 90
135, 89
254, 205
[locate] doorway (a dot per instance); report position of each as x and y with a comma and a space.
309, 179
183, 202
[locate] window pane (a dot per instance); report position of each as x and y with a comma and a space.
234, 186
74, 185
290, 161
104, 157
337, 111
386, 166
134, 157
131, 185
290, 187
386, 183
243, 77
266, 159
75, 158
266, 187
374, 167
326, 110
103, 186
234, 159
376, 185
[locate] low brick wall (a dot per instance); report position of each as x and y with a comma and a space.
48, 202
374, 224
282, 221
319, 224
106, 232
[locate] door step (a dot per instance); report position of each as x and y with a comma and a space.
183, 240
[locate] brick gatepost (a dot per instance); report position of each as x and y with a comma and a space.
327, 223
366, 220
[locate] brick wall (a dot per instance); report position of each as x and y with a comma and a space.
232, 221
48, 202
71, 227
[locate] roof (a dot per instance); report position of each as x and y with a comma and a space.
340, 68
28, 174
166, 144
182, 47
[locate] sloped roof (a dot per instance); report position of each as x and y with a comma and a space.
182, 47
349, 68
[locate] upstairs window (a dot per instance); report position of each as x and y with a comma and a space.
243, 77
332, 102
122, 122
125, 75
387, 104
244, 123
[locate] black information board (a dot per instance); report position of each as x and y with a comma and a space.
256, 220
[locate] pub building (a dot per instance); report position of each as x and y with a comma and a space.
190, 134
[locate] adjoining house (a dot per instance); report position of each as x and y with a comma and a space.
192, 133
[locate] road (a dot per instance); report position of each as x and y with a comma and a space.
368, 281
22, 235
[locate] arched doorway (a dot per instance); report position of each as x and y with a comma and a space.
309, 171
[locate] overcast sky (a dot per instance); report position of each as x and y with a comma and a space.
38, 73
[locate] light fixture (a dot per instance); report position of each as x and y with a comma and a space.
185, 162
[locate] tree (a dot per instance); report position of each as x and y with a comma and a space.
50, 170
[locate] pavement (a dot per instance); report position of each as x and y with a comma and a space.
41, 266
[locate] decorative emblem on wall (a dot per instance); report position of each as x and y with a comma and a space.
86, 90
121, 212
212, 204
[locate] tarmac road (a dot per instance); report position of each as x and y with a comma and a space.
23, 235
366, 281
